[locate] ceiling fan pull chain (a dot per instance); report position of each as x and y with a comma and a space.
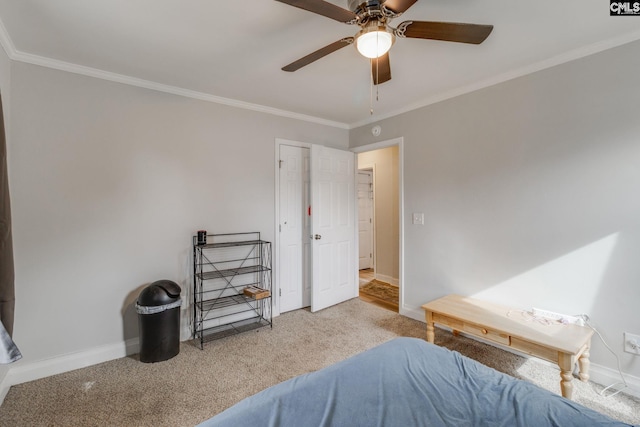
377, 76
371, 89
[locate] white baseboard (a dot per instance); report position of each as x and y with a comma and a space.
415, 313
4, 388
387, 279
23, 371
606, 376
598, 374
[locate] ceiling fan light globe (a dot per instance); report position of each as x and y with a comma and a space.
374, 44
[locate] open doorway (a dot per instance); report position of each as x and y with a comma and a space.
379, 219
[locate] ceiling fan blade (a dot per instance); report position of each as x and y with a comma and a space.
398, 6
296, 65
446, 31
323, 8
381, 69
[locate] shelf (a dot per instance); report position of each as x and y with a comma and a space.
217, 292
223, 302
222, 331
217, 303
230, 244
208, 275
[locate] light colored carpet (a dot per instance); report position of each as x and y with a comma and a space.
197, 384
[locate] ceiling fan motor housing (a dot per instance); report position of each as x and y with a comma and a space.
365, 9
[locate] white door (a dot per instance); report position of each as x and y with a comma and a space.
294, 224
333, 225
365, 219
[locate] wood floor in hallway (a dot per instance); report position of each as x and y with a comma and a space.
367, 276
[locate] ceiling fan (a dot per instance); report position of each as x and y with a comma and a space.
376, 36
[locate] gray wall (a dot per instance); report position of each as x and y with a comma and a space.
109, 182
530, 194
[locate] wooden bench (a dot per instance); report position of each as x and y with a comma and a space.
563, 344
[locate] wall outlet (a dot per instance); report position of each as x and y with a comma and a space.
632, 343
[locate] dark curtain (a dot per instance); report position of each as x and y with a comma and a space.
8, 350
7, 293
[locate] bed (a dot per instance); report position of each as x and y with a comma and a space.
407, 382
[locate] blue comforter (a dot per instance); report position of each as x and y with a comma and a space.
408, 382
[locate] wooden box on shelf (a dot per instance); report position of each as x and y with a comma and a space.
256, 292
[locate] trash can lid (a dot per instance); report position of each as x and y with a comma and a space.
160, 292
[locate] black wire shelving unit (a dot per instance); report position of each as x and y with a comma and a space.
224, 269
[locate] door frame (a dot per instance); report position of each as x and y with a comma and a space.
276, 252
399, 142
369, 147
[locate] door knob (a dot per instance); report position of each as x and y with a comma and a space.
317, 237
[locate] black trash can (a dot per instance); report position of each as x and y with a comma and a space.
158, 310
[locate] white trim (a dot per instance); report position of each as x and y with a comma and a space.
387, 279
416, 313
21, 371
174, 90
356, 234
384, 144
509, 75
605, 376
6, 42
4, 385
4, 390
378, 145
16, 55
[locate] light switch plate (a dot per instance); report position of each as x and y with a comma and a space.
418, 218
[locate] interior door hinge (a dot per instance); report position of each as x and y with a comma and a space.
279, 292
280, 164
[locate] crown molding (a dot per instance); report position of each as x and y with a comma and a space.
174, 90
16, 55
519, 72
6, 42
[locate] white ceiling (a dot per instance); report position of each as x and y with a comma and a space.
232, 51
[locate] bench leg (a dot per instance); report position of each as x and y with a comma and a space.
431, 332
584, 363
566, 363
